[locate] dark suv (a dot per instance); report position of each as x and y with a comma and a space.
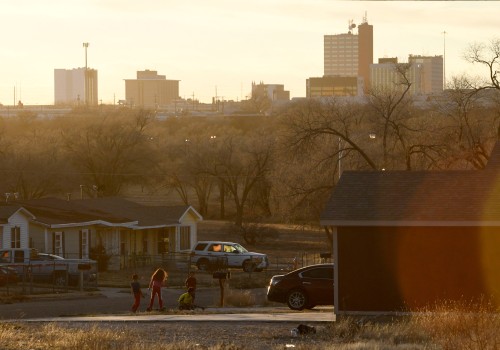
303, 288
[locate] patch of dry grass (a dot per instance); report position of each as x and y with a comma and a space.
91, 337
456, 325
239, 298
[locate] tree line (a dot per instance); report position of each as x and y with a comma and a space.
281, 167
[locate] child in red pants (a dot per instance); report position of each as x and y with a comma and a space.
136, 291
157, 280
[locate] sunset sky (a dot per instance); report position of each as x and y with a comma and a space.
218, 45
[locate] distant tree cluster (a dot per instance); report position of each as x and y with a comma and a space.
280, 167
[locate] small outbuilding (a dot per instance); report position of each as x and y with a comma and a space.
405, 240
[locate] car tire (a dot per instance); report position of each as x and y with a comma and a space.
248, 266
203, 265
296, 300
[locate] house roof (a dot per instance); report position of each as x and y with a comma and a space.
147, 216
6, 211
54, 211
417, 198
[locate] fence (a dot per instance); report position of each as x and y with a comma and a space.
53, 277
184, 261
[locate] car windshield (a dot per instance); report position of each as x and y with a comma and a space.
240, 248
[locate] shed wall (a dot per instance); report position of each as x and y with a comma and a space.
407, 268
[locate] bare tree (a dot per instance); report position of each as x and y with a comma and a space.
488, 56
471, 129
110, 152
240, 163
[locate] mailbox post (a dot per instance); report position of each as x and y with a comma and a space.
82, 268
222, 275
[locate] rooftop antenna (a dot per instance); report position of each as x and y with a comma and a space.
365, 18
351, 26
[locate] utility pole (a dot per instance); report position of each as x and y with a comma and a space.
86, 78
444, 60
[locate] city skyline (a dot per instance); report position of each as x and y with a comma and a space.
219, 47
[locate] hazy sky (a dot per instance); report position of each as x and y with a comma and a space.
218, 45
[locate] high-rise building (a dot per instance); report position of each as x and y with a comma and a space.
365, 46
150, 90
77, 86
349, 54
425, 74
432, 72
386, 77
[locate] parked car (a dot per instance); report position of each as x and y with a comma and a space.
8, 275
303, 288
44, 267
207, 254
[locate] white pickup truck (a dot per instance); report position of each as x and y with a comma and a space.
42, 267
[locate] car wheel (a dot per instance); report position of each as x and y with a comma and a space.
248, 266
203, 265
296, 300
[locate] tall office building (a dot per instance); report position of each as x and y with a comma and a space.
77, 86
385, 76
349, 54
432, 72
424, 72
150, 90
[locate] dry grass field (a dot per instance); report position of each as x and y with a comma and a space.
454, 326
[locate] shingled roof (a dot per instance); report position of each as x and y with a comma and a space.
417, 198
6, 211
54, 211
147, 216
105, 211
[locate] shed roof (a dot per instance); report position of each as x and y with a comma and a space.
417, 198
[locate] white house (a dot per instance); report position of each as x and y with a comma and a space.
124, 231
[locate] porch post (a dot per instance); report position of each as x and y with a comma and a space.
336, 304
46, 240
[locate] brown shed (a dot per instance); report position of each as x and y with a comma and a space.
408, 239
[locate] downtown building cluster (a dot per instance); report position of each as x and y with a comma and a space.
349, 71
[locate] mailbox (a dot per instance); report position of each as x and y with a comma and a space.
221, 275
83, 267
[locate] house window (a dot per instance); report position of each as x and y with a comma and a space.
15, 237
163, 241
84, 243
185, 237
57, 244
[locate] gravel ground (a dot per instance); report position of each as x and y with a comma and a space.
161, 335
241, 335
